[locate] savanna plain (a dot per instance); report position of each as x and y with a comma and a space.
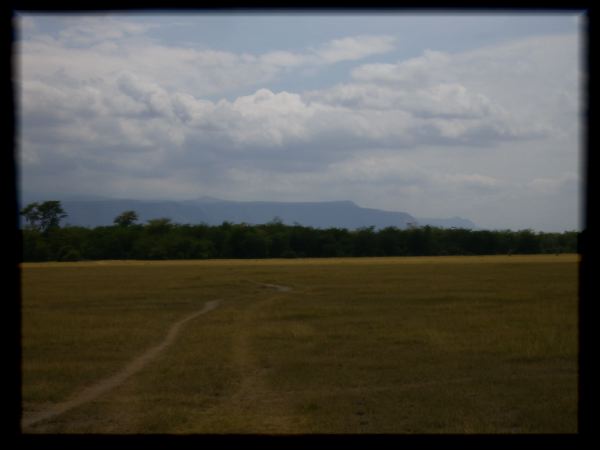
366, 345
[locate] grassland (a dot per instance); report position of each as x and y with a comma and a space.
369, 345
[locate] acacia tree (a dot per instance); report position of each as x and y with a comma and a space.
45, 216
32, 215
126, 218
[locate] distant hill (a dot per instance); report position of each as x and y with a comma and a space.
211, 211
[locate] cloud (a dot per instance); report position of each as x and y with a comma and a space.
284, 59
87, 30
520, 90
481, 183
435, 99
450, 100
124, 109
527, 79
354, 48
116, 110
553, 185
88, 47
349, 48
414, 71
369, 167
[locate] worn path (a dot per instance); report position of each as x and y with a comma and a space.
92, 392
253, 406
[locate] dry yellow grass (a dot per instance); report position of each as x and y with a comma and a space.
393, 345
496, 259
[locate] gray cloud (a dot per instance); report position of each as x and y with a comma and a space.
107, 109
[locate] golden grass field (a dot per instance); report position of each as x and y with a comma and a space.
358, 345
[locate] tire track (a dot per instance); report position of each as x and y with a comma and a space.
103, 386
253, 405
277, 287
264, 410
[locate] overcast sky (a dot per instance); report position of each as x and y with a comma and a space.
468, 115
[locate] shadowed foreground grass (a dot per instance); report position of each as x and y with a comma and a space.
374, 345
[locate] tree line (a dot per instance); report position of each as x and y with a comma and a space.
44, 239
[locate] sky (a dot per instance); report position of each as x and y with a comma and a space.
438, 115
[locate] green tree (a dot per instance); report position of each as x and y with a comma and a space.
44, 216
32, 216
527, 242
365, 243
35, 247
126, 218
159, 226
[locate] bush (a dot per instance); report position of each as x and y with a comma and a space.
69, 254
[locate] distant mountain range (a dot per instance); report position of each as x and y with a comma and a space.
92, 212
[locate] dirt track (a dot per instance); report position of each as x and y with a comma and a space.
92, 392
277, 287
